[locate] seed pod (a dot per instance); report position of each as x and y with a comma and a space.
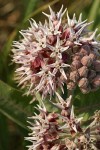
83, 71
76, 64
83, 83
85, 50
96, 82
86, 61
96, 65
74, 76
71, 86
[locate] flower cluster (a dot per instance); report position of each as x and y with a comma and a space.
55, 53
45, 132
64, 131
50, 55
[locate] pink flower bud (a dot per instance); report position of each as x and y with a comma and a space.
76, 64
92, 56
96, 65
85, 50
96, 82
86, 61
71, 86
83, 71
83, 83
77, 57
91, 74
85, 90
74, 76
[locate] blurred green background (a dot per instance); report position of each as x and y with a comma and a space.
14, 108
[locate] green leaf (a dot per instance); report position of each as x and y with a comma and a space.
31, 6
4, 133
15, 106
42, 8
94, 11
4, 55
87, 103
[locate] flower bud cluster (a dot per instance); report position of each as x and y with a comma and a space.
85, 69
63, 131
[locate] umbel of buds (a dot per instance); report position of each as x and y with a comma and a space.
85, 69
55, 53
64, 131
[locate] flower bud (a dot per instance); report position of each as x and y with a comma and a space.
83, 71
86, 61
92, 56
77, 57
96, 82
96, 65
85, 50
83, 83
85, 90
74, 76
71, 86
91, 74
76, 64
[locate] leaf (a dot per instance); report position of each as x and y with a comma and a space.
42, 8
15, 106
4, 54
94, 11
73, 5
4, 133
31, 6
87, 103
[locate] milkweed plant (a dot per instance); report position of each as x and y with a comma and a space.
61, 52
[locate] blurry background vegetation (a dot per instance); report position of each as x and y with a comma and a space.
14, 107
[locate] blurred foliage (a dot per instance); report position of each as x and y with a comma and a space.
14, 107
